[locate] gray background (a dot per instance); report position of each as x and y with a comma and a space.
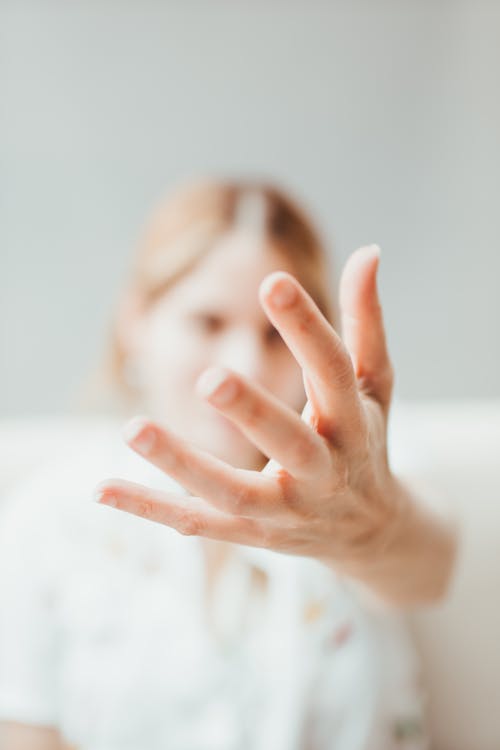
383, 116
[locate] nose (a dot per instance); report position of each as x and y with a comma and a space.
241, 350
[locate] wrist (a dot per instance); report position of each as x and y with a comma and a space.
410, 562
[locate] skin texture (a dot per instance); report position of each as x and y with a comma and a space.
327, 490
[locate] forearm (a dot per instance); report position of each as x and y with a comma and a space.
414, 560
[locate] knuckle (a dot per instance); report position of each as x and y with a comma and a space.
242, 499
305, 452
145, 509
339, 366
254, 412
373, 379
344, 373
188, 524
288, 498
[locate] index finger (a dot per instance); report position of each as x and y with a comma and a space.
322, 355
363, 329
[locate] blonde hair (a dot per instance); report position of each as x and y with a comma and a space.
181, 230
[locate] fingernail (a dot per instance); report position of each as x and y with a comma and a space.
139, 434
282, 293
376, 253
217, 385
100, 496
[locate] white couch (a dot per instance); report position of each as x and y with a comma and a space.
458, 445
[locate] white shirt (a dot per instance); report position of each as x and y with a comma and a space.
103, 633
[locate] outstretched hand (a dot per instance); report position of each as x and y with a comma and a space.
327, 491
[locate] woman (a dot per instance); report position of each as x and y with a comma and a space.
120, 633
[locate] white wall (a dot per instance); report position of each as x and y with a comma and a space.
383, 116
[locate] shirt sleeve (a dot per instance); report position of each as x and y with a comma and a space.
28, 595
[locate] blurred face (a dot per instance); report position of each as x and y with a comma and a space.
212, 316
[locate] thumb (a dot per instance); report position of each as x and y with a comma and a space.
362, 323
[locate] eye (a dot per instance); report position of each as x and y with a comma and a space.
207, 322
